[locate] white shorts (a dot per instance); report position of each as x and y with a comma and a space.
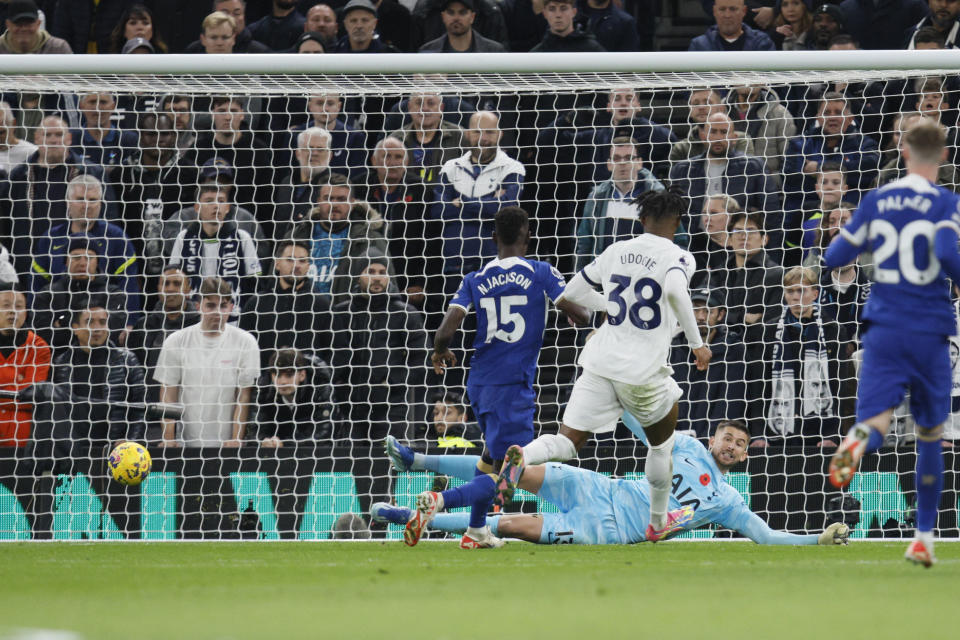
597, 403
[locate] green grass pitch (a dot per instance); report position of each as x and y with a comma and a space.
220, 591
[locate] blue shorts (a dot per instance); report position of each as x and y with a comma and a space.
504, 413
585, 500
896, 361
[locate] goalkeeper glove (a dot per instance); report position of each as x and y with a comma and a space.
836, 533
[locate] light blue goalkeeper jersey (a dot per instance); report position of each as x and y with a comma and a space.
698, 482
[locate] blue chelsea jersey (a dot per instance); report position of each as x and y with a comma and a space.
897, 224
510, 297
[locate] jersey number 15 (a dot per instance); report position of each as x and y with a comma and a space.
495, 328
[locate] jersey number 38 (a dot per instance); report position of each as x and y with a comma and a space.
644, 313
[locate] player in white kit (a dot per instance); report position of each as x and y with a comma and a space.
645, 283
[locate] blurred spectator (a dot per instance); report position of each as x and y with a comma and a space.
152, 185
25, 34
379, 349
360, 24
289, 310
37, 190
801, 225
279, 30
95, 368
458, 17
942, 19
751, 282
323, 20
137, 46
472, 189
395, 24
215, 247
119, 260
100, 142
296, 193
563, 33
702, 104
341, 230
834, 137
401, 202
893, 167
808, 371
309, 42
211, 368
136, 21
614, 28
879, 24
13, 150
295, 407
427, 21
757, 112
730, 33
235, 143
525, 23
347, 153
828, 22
180, 109
612, 212
180, 20
843, 292
431, 141
829, 226
222, 33
450, 427
83, 278
24, 359
173, 311
709, 245
792, 23
217, 173
724, 171
719, 393
87, 26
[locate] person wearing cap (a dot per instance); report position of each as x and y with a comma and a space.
24, 33
458, 17
309, 42
827, 23
360, 24
563, 33
216, 171
614, 28
879, 24
379, 347
943, 19
730, 33
83, 278
719, 393
137, 45
428, 22
84, 210
99, 141
86, 26
280, 29
322, 19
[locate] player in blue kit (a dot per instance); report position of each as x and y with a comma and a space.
911, 226
595, 509
510, 295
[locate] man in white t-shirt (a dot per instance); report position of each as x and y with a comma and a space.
626, 364
13, 151
210, 368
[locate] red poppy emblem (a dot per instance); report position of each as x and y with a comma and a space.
705, 479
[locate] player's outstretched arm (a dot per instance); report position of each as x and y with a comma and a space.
442, 357
577, 314
945, 248
751, 525
581, 292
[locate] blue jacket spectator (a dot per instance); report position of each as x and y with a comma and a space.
100, 141
279, 30
347, 152
834, 137
472, 189
730, 33
878, 24
614, 28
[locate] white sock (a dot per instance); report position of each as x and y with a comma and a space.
478, 533
549, 447
659, 472
926, 537
417, 464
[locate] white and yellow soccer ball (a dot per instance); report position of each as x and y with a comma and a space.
129, 463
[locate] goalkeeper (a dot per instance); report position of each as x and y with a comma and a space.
595, 509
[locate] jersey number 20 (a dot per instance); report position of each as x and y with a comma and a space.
507, 316
902, 243
621, 283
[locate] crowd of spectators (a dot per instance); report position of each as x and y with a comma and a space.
278, 265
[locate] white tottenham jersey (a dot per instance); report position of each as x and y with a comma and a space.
633, 345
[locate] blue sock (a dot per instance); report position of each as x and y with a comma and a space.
478, 512
929, 478
396, 515
477, 490
463, 467
458, 522
875, 441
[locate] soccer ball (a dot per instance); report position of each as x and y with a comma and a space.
129, 463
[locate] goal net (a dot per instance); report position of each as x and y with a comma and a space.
341, 209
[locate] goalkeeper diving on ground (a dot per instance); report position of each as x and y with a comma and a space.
595, 509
